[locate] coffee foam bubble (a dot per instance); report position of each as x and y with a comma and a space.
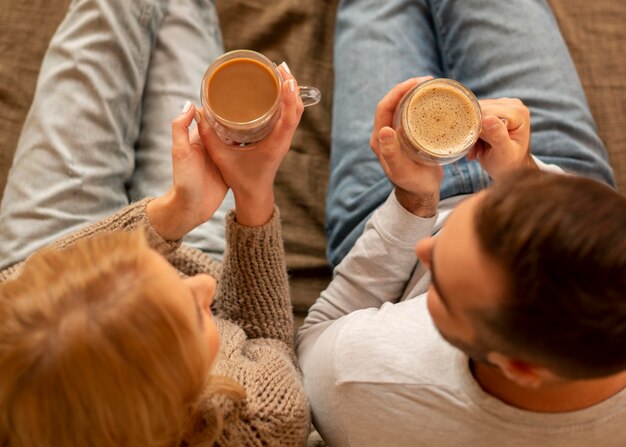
441, 120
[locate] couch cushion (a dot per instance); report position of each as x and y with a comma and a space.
595, 32
25, 30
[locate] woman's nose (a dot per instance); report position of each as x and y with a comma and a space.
203, 288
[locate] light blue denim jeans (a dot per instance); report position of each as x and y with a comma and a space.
497, 48
98, 134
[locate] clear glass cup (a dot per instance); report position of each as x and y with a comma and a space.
424, 129
246, 133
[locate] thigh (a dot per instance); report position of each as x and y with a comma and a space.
75, 152
377, 45
515, 49
188, 40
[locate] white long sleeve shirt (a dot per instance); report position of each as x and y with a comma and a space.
378, 373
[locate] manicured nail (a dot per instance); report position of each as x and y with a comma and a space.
198, 117
186, 107
285, 67
292, 85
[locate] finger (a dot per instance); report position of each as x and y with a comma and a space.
287, 75
205, 131
390, 152
494, 132
471, 155
290, 114
194, 137
511, 110
285, 71
180, 129
476, 150
293, 102
387, 105
376, 150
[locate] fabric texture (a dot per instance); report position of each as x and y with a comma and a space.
254, 318
302, 34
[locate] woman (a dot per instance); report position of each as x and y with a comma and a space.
106, 336
103, 343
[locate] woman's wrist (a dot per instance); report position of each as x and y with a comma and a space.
164, 216
254, 210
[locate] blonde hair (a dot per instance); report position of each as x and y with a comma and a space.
91, 354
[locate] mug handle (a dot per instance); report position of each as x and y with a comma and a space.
310, 95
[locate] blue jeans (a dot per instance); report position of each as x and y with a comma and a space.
97, 136
497, 48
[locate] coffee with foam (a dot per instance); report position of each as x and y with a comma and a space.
438, 121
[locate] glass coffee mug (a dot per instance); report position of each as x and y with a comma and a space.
437, 121
242, 96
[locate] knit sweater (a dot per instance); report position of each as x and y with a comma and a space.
254, 318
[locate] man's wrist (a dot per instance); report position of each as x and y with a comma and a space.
421, 205
531, 163
527, 162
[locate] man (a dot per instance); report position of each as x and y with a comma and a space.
496, 48
516, 337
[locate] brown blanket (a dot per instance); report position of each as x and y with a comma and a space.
301, 32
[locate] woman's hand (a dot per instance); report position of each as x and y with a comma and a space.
504, 143
198, 187
417, 185
250, 173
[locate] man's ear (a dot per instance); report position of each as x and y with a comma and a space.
520, 372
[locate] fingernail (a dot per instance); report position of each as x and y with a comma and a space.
492, 124
198, 117
292, 85
285, 67
186, 107
384, 138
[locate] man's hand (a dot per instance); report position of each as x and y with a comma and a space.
417, 185
504, 143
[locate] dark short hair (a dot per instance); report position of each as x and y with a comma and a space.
561, 241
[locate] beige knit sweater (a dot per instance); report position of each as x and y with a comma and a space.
254, 317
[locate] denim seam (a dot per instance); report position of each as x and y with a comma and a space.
440, 32
146, 16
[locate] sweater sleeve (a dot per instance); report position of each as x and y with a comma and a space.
126, 219
275, 411
253, 291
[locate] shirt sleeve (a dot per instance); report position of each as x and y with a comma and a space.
548, 167
376, 271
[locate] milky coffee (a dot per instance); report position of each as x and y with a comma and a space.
241, 90
242, 97
440, 121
